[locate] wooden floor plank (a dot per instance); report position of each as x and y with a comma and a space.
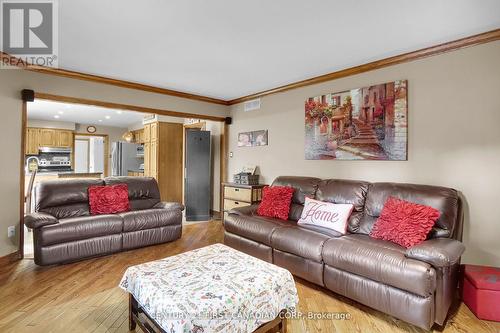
84, 297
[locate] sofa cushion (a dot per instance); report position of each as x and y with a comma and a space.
77, 228
380, 261
276, 202
254, 227
110, 199
342, 191
444, 199
328, 215
150, 218
64, 198
404, 223
304, 186
299, 241
143, 192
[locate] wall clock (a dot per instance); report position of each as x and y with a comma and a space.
91, 129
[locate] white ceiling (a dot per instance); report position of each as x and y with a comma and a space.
82, 114
230, 48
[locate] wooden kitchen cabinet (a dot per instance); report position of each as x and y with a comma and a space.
139, 136
154, 132
163, 158
153, 160
147, 133
64, 138
135, 174
31, 141
47, 137
147, 159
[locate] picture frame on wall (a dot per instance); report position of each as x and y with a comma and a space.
368, 123
245, 139
253, 138
259, 138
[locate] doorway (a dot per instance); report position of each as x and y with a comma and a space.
82, 153
90, 154
107, 111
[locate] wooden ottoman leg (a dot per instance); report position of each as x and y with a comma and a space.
282, 325
132, 308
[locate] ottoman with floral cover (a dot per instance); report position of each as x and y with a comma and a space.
211, 289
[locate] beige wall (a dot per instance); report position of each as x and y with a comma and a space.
454, 136
12, 81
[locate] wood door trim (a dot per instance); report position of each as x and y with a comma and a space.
22, 178
223, 166
10, 59
482, 38
119, 106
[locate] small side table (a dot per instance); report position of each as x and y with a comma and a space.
239, 195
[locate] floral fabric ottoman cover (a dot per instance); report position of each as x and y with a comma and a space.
211, 289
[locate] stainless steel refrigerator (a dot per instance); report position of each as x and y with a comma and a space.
125, 157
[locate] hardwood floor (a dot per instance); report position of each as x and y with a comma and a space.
84, 297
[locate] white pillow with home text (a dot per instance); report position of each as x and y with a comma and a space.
326, 215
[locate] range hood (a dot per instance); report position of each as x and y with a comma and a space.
61, 150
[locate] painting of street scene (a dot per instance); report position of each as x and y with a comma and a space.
368, 123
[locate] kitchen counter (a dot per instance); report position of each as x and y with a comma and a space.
65, 174
59, 176
79, 174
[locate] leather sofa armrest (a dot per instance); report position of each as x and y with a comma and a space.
439, 252
169, 205
38, 220
245, 211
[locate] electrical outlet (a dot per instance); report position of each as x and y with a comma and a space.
11, 231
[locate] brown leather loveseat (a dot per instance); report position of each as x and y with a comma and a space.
64, 230
416, 285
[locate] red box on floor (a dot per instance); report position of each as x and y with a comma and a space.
481, 291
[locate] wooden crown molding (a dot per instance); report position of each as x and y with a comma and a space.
402, 58
482, 38
7, 58
76, 100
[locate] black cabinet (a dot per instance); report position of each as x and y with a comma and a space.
197, 189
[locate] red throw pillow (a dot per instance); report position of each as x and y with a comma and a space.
276, 202
405, 223
108, 199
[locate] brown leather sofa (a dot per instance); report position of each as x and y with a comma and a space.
64, 230
416, 285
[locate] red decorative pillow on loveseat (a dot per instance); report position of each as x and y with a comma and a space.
276, 202
108, 199
405, 223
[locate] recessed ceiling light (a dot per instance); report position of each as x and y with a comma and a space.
100, 120
56, 116
119, 112
107, 117
60, 112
